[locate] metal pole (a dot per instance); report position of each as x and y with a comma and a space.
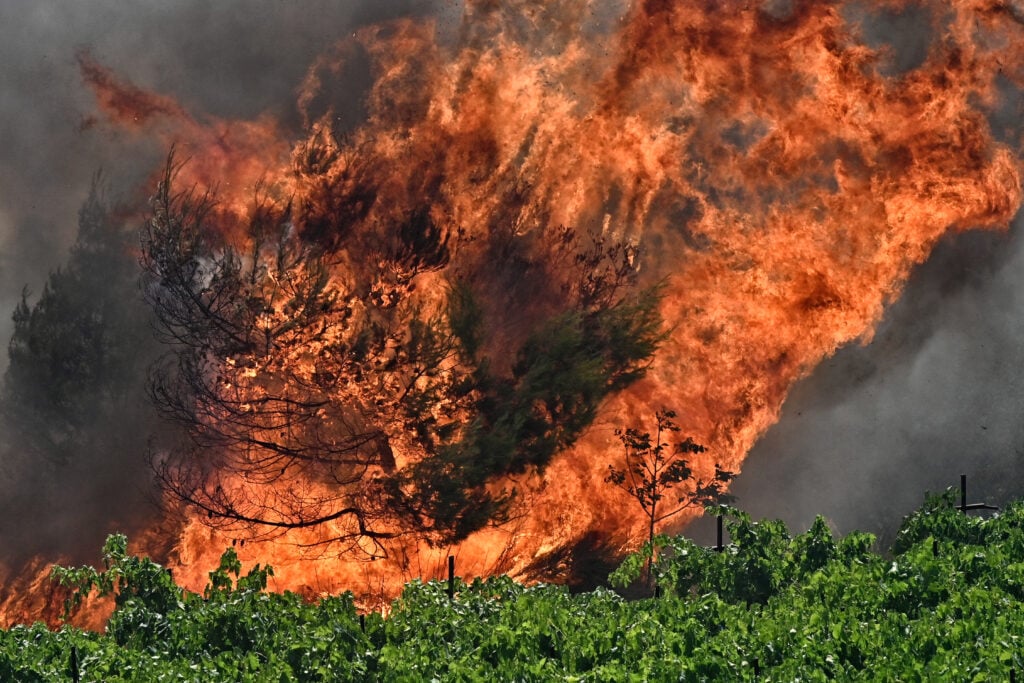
75, 676
451, 577
719, 547
964, 505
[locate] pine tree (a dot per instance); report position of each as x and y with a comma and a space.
73, 404
346, 380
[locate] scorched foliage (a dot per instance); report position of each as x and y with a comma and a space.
359, 379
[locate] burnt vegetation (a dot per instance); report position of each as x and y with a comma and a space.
345, 379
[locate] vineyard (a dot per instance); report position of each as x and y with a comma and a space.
943, 604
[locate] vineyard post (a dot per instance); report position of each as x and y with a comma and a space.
451, 577
719, 547
75, 676
756, 663
964, 506
362, 622
1013, 675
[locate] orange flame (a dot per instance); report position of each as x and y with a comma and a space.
759, 154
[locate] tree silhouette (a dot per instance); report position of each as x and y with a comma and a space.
656, 471
76, 422
76, 349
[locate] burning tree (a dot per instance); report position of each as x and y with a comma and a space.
350, 376
655, 467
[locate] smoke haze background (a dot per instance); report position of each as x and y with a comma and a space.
938, 391
229, 59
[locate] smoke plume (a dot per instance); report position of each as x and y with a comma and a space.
935, 393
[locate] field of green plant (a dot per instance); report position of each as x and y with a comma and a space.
943, 605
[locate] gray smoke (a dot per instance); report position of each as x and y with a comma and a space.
938, 393
229, 59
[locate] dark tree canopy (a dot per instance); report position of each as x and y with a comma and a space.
355, 378
76, 347
75, 416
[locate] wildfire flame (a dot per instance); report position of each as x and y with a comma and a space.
762, 155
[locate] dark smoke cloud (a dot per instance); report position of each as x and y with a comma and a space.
904, 37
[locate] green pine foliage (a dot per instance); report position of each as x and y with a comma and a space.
945, 605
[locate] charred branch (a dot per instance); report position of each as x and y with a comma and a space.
323, 392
